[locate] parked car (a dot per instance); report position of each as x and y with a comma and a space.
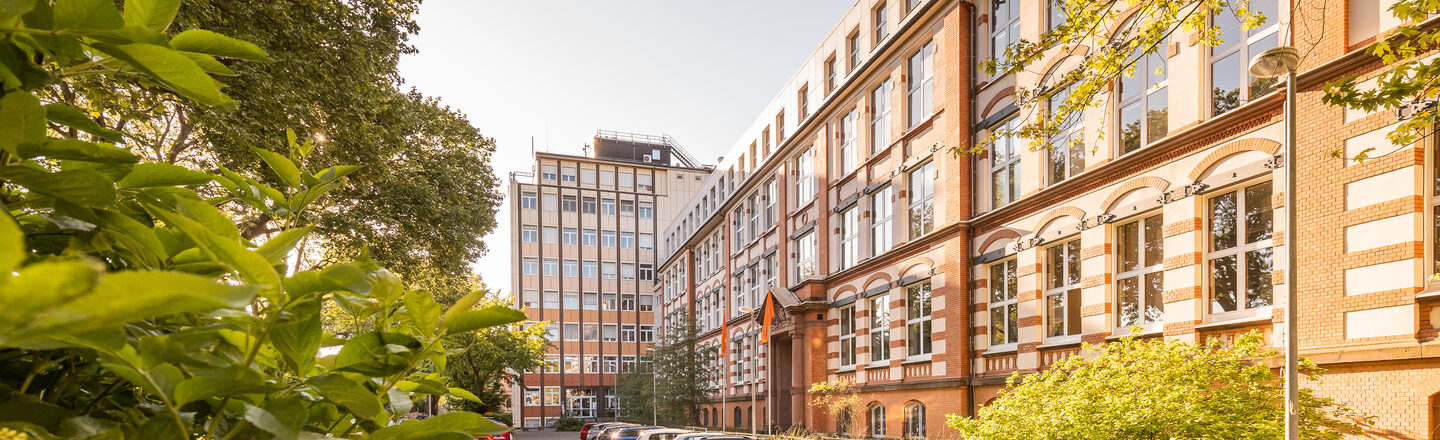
585, 430
632, 433
662, 434
700, 436
609, 429
501, 436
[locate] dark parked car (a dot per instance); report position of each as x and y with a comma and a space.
607, 432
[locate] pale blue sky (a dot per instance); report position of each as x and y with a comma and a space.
700, 71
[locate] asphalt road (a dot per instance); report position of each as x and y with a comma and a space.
546, 435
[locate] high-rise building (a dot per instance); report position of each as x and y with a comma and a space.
584, 242
926, 278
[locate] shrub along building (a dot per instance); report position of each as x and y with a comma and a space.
583, 234
926, 278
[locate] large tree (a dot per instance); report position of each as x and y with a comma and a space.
1139, 389
425, 193
676, 377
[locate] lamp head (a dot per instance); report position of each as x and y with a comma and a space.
747, 310
1275, 62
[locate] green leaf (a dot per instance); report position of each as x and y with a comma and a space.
464, 394
122, 297
464, 422
172, 70
347, 394
282, 166
468, 320
163, 174
209, 64
87, 14
283, 418
75, 149
335, 172
14, 8
219, 385
209, 216
211, 43
400, 402
152, 14
81, 187
254, 268
298, 339
21, 119
424, 386
423, 310
12, 246
44, 285
280, 245
74, 118
377, 353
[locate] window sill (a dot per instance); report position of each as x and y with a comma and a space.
1145, 332
1001, 350
920, 359
1060, 342
846, 369
1235, 322
881, 364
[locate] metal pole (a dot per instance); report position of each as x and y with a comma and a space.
754, 370
1292, 287
654, 396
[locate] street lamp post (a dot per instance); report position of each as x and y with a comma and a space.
754, 369
1274, 63
654, 396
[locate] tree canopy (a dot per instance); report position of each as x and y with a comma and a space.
674, 377
1139, 389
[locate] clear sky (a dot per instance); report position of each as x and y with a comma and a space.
554, 70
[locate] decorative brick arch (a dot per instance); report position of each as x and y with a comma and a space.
997, 236
1063, 211
1120, 21
844, 290
1235, 147
1006, 92
1155, 182
918, 262
877, 276
1058, 58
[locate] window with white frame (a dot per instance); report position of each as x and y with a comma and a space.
1230, 82
1067, 148
1004, 311
532, 298
587, 237
647, 303
627, 240
879, 327
588, 205
550, 235
527, 200
552, 396
771, 271
567, 175
849, 237
607, 239
547, 172
608, 271
607, 206
530, 266
569, 203
572, 363
802, 103
552, 299
753, 206
609, 301
647, 272
607, 177
805, 256
570, 332
590, 301
627, 271
877, 421
572, 301
914, 421
847, 336
612, 362
572, 269
1056, 14
569, 236
772, 197
736, 240
627, 179
1144, 101
644, 182
627, 333
590, 269
882, 238
1005, 165
549, 202
753, 281
922, 84
647, 333
627, 302
587, 176
529, 234
1062, 289
1141, 271
804, 178
917, 318
646, 210
849, 154
590, 332
552, 361
880, 19
532, 396
627, 208
551, 267
1239, 258
1005, 26
922, 200
647, 241
880, 118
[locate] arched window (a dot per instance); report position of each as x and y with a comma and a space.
737, 416
749, 416
704, 418
915, 420
715, 416
877, 421
842, 423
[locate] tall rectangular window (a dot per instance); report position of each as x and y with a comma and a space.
922, 200
852, 45
805, 256
607, 206
550, 235
1005, 165
802, 103
1005, 26
847, 336
587, 176
527, 200
922, 84
590, 301
1004, 312
572, 269
626, 178
1230, 79
608, 271
532, 298
1056, 16
772, 196
881, 21
607, 239
627, 271
880, 118
530, 266
737, 217
882, 237
549, 202
880, 328
590, 332
753, 207
771, 271
849, 238
647, 242
547, 172
1141, 268
830, 74
849, 154
1241, 225
552, 299
607, 177
1062, 289
804, 178
917, 318
627, 240
570, 331
591, 269
567, 175
646, 210
1067, 147
627, 208
1144, 103
610, 333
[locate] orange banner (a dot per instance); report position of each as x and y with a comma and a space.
768, 315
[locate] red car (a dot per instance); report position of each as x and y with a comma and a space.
501, 436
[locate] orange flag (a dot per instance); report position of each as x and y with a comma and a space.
724, 342
767, 316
